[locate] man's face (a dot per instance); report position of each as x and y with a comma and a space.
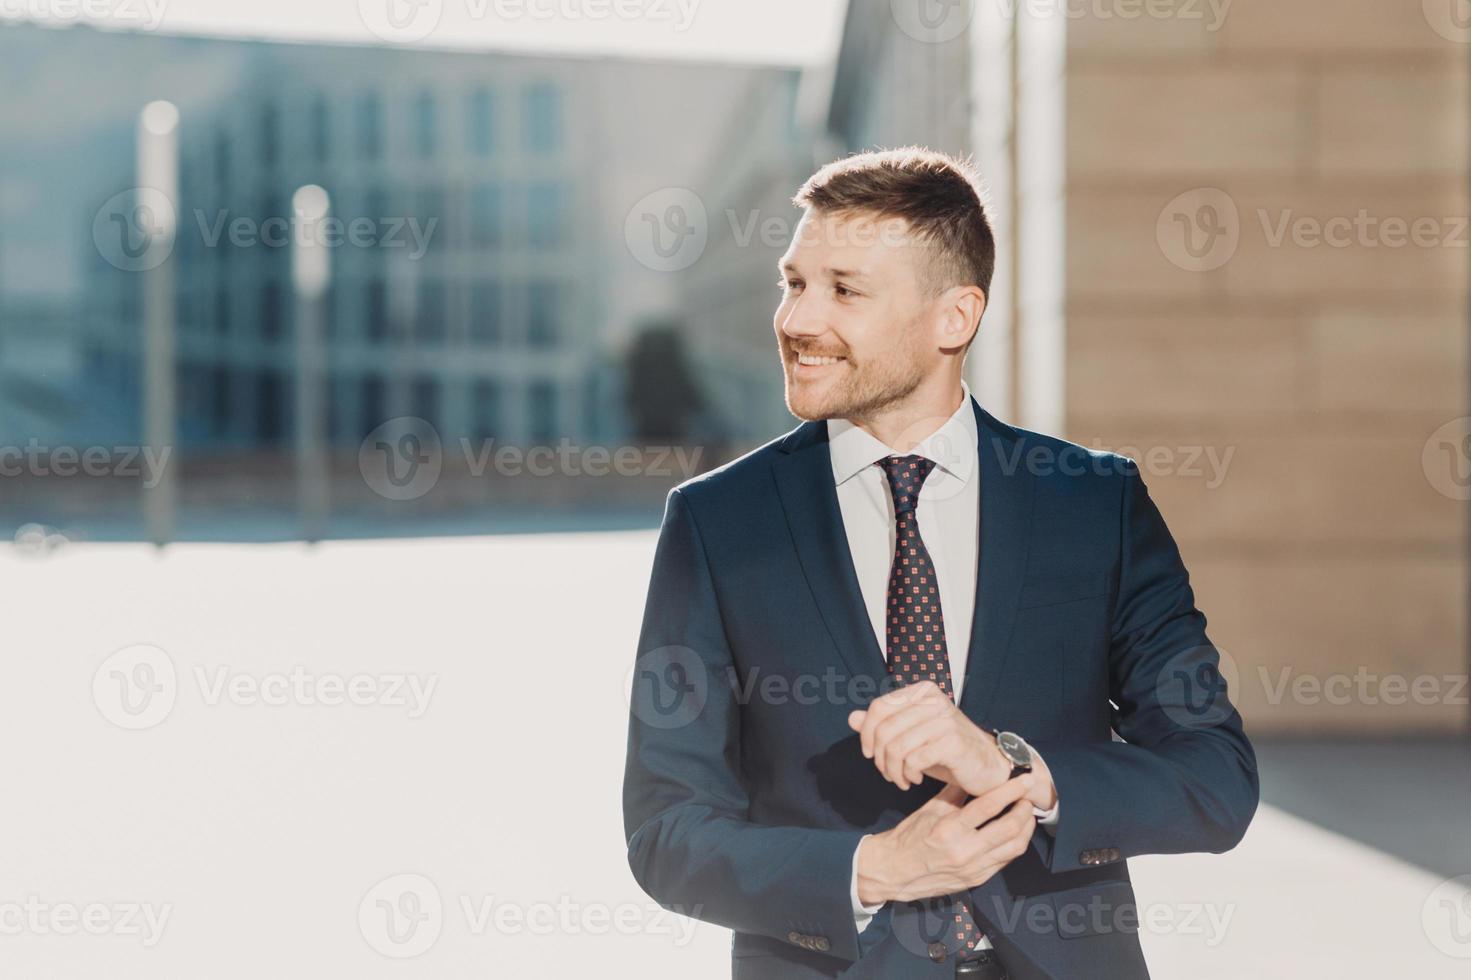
852, 324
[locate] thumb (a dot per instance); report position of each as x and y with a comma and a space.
855, 720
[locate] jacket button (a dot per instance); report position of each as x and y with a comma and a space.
937, 952
794, 937
821, 945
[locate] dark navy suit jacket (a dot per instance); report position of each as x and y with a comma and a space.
746, 793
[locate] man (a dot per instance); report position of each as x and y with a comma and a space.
883, 657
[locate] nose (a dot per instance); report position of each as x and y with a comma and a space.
801, 319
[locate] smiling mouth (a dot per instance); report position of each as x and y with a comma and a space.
818, 360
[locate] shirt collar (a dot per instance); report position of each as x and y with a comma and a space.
952, 447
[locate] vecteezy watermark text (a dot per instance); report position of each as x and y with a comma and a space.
35, 459
403, 915
279, 231
35, 917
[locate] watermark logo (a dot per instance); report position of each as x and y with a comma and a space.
401, 916
667, 230
932, 21
1192, 688
1446, 917
39, 539
401, 21
1199, 230
1451, 19
1446, 459
134, 229
136, 687
402, 458
668, 687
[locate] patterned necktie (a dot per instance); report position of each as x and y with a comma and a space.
915, 632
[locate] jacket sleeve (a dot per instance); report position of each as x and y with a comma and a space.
691, 844
1184, 776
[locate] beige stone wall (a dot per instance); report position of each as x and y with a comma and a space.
1323, 549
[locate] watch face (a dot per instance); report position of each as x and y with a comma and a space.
1014, 748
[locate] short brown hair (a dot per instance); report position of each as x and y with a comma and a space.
936, 194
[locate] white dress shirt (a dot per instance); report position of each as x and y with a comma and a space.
948, 513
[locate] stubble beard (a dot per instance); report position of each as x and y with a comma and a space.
866, 389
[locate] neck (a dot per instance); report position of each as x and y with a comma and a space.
904, 424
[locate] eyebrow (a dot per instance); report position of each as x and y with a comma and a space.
788, 267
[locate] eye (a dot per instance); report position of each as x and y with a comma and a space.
786, 284
842, 290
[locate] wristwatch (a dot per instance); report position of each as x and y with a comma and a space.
1016, 750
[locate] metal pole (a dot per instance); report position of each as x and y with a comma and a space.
158, 182
311, 274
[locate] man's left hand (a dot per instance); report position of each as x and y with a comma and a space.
917, 731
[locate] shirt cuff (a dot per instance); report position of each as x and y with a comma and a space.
1047, 818
863, 914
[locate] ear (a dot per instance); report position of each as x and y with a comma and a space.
960, 316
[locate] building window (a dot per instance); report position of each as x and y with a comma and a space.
425, 125
431, 315
485, 312
546, 215
270, 410
376, 203
370, 126
486, 405
219, 397
433, 221
270, 136
481, 113
541, 116
377, 309
374, 404
321, 130
542, 314
222, 161
270, 310
542, 403
487, 215
426, 400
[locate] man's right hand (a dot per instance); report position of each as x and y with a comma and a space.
937, 850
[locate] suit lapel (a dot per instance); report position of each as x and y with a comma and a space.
804, 482
1005, 534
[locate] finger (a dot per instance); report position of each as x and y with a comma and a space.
986, 861
855, 720
992, 802
972, 828
913, 726
1000, 840
881, 709
934, 752
876, 712
925, 748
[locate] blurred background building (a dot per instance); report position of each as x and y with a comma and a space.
1155, 181
486, 285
